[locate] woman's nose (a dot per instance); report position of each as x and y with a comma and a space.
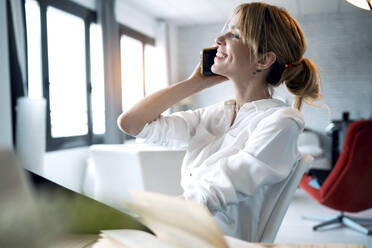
220, 40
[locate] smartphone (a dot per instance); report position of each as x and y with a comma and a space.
207, 60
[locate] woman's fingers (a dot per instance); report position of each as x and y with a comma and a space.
206, 80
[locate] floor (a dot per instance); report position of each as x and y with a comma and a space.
294, 229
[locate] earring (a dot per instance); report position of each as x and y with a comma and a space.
255, 72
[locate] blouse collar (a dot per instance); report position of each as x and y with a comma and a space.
261, 104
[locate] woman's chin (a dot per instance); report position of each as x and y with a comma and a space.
217, 70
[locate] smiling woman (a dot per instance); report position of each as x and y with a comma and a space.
268, 35
238, 151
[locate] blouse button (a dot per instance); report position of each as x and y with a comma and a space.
190, 174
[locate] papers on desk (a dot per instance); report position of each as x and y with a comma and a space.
174, 221
129, 238
177, 223
135, 239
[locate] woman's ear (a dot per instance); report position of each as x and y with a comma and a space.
266, 60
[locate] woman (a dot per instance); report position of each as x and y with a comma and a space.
237, 150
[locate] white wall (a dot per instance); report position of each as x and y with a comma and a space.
128, 15
341, 47
340, 44
5, 96
90, 4
134, 18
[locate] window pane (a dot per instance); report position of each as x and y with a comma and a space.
97, 78
33, 49
131, 71
155, 69
67, 74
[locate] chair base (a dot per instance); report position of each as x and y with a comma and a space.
350, 222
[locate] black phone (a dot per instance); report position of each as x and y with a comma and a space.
207, 60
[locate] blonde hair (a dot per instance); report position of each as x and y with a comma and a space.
266, 28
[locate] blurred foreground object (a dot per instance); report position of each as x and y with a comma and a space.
37, 216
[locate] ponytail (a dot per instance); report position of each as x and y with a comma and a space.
302, 79
267, 28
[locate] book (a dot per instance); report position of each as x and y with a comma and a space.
177, 223
174, 222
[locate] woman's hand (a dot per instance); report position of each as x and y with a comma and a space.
206, 81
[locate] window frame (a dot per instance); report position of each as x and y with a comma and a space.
89, 17
145, 40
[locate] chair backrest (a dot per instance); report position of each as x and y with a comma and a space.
280, 208
349, 186
309, 143
307, 138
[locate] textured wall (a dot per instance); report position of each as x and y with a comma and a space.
341, 46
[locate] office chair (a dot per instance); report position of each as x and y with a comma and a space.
348, 188
270, 229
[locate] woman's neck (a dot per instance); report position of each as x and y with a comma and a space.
250, 91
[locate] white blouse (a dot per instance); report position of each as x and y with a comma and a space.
230, 168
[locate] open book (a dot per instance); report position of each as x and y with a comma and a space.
174, 221
177, 223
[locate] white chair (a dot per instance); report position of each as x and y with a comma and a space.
309, 143
270, 228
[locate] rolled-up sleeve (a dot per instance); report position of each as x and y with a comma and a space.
173, 130
267, 158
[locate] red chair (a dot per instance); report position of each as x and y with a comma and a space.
349, 185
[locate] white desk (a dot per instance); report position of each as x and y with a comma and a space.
87, 241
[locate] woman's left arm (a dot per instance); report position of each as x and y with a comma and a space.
267, 158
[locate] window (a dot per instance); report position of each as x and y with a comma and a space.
97, 80
155, 69
67, 74
32, 11
70, 72
132, 71
136, 54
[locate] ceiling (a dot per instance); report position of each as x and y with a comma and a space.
190, 12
